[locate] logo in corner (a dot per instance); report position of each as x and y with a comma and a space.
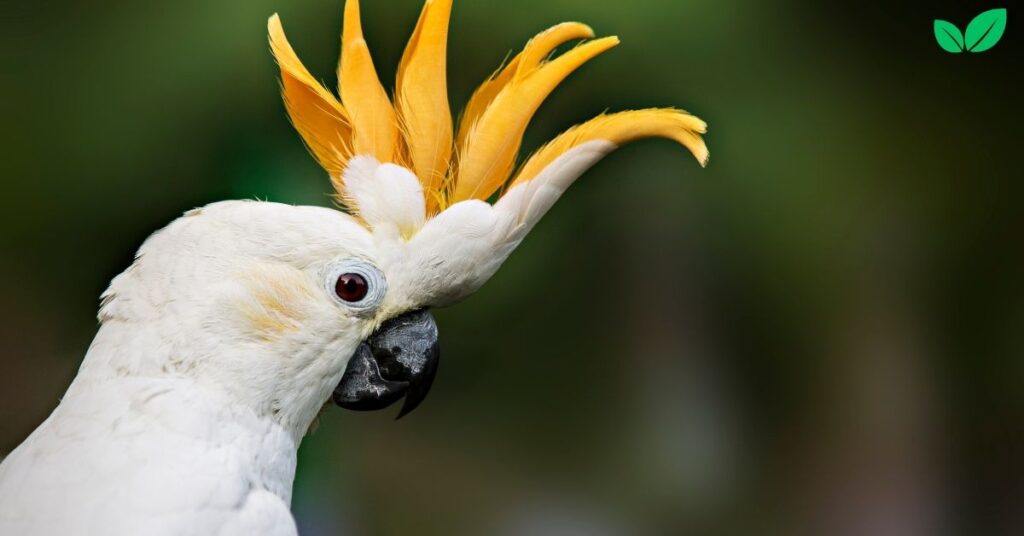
982, 33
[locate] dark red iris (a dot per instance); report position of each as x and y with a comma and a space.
351, 287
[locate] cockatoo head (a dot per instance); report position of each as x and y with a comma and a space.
325, 301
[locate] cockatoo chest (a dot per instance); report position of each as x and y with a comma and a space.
153, 456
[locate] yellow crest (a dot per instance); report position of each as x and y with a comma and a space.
415, 128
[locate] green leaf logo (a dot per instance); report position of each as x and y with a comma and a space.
985, 30
949, 36
982, 33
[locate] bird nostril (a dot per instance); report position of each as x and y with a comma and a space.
392, 369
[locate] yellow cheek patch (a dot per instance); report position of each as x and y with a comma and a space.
277, 302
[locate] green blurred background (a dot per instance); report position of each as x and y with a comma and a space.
821, 333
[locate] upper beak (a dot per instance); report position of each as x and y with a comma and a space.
399, 359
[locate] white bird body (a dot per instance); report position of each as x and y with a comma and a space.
150, 456
237, 322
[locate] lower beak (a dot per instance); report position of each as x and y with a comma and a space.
399, 359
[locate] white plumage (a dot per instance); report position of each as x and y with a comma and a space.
221, 343
150, 456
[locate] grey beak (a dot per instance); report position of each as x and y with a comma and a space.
399, 359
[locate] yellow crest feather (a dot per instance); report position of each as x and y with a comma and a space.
374, 127
621, 128
422, 97
316, 113
491, 147
536, 50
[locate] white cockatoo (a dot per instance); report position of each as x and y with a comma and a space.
237, 322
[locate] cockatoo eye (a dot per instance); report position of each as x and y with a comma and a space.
356, 284
351, 287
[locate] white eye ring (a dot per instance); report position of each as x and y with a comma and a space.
376, 284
